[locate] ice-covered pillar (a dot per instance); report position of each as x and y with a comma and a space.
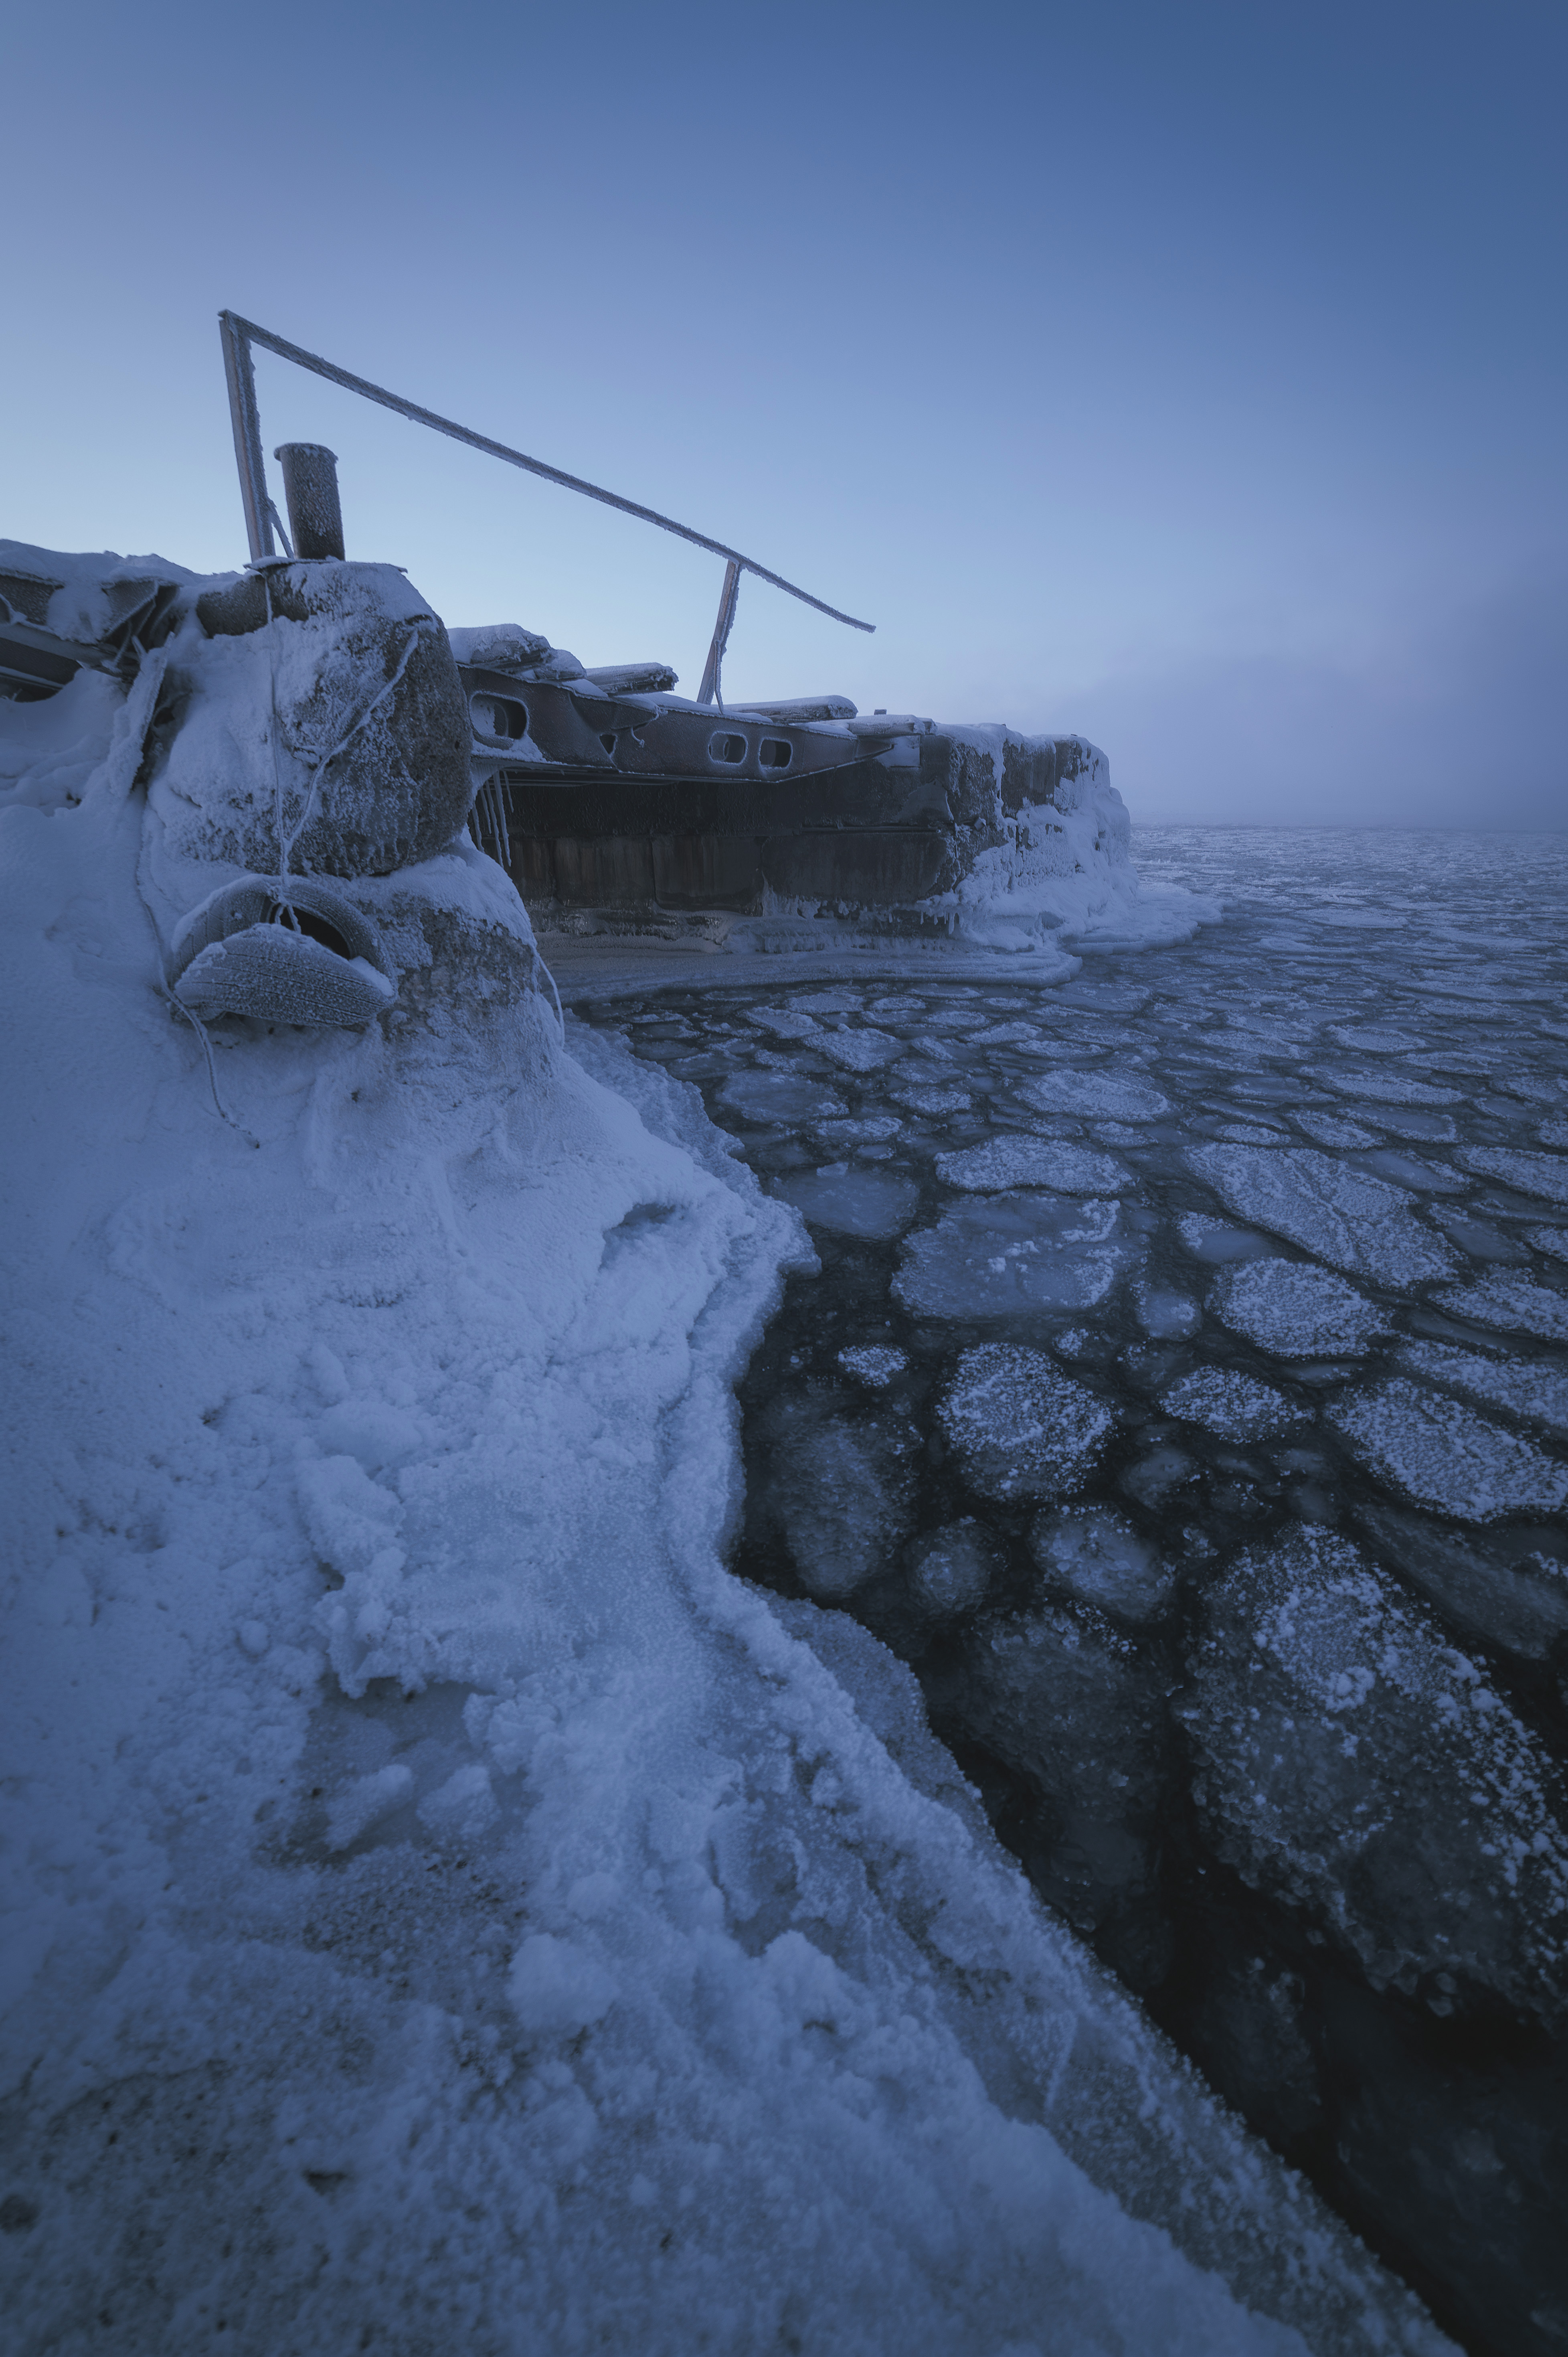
310, 489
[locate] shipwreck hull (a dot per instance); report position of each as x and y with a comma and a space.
889, 834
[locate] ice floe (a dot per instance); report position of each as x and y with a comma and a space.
1095, 1096
1358, 1223
1446, 1456
1235, 1406
1537, 1392
853, 1202
1298, 1310
1003, 1163
1353, 1760
1005, 1255
1020, 1427
1513, 1304
1100, 1559
1533, 1173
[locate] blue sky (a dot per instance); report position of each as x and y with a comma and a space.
1193, 377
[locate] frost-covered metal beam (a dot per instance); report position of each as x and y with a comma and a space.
240, 334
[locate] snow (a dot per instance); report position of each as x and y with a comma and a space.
1537, 1394
444, 1904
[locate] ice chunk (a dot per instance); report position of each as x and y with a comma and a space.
1533, 1173
1079, 1709
871, 1129
1020, 1427
856, 1202
1553, 1240
1327, 1129
1298, 1310
1005, 1255
1095, 1096
1352, 1761
1540, 1392
1515, 1601
1235, 1407
1005, 1162
1389, 1088
783, 1098
1154, 1477
1169, 1316
1217, 1241
1371, 1041
860, 1051
1360, 1224
784, 1022
1446, 1456
1099, 1558
950, 1569
840, 1494
1511, 1303
875, 1363
932, 1100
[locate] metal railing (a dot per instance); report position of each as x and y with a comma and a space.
239, 335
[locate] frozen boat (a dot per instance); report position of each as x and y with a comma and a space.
614, 802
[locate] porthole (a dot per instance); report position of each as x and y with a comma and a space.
499, 718
730, 750
775, 753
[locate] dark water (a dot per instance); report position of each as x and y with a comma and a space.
1184, 1396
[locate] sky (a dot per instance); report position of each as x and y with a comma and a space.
1192, 377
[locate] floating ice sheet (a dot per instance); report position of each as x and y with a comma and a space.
1533, 1173
1095, 1096
1005, 1255
865, 1050
1233, 1406
1298, 1310
1100, 1559
1354, 1762
1008, 1162
1022, 1428
853, 1202
1540, 1393
781, 1097
1513, 1304
1446, 1456
1360, 1224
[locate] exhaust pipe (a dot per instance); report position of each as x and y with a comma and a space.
310, 491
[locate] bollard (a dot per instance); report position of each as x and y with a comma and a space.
310, 489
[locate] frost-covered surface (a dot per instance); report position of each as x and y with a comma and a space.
1354, 1759
1062, 865
444, 1907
